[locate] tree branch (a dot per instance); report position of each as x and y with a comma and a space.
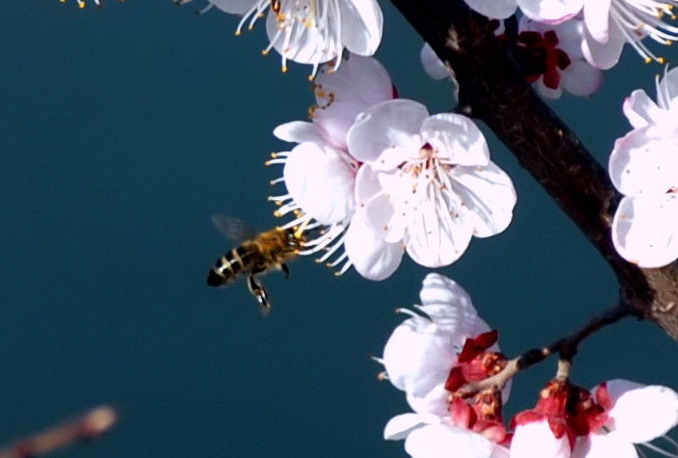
492, 89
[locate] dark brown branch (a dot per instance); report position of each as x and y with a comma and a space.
87, 427
492, 89
566, 347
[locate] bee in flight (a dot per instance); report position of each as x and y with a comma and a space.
256, 254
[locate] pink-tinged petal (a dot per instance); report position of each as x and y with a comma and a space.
335, 121
327, 193
536, 440
437, 233
488, 197
433, 66
603, 446
581, 79
641, 413
500, 452
457, 139
570, 36
642, 165
444, 441
669, 84
644, 230
603, 55
234, 6
597, 19
496, 9
400, 426
384, 126
308, 45
434, 402
550, 10
360, 79
298, 132
361, 26
641, 110
371, 256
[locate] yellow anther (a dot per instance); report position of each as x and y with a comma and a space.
278, 203
264, 52
274, 155
648, 60
661, 60
311, 77
237, 33
283, 69
277, 214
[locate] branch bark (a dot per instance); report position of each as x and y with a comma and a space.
492, 89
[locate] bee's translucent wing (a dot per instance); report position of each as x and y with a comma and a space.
233, 228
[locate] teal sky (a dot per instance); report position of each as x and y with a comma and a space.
122, 130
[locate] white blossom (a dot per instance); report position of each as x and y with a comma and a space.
644, 167
427, 182
311, 31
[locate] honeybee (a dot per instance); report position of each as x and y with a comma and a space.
256, 254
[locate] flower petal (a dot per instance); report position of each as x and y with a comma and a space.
400, 426
597, 19
603, 446
371, 256
644, 230
384, 126
536, 440
234, 6
550, 10
495, 9
294, 41
361, 26
360, 79
641, 110
641, 413
327, 193
643, 165
298, 132
457, 139
488, 197
603, 55
434, 402
433, 66
444, 441
580, 78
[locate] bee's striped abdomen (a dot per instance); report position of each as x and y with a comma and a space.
229, 266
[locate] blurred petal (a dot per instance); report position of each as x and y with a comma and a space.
603, 446
641, 110
496, 9
581, 79
298, 132
433, 66
444, 441
550, 10
641, 413
536, 440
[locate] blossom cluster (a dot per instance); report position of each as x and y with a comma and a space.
381, 176
433, 354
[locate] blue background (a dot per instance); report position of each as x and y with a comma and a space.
122, 130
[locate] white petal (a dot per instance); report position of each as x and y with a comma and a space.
641, 110
438, 289
603, 55
603, 446
669, 84
438, 234
550, 10
487, 195
298, 132
536, 440
394, 123
444, 441
433, 66
418, 356
320, 182
645, 230
643, 165
457, 139
434, 402
400, 426
597, 19
641, 413
360, 79
496, 9
335, 121
361, 26
371, 256
547, 92
580, 78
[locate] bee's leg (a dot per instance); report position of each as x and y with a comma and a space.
285, 269
258, 290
